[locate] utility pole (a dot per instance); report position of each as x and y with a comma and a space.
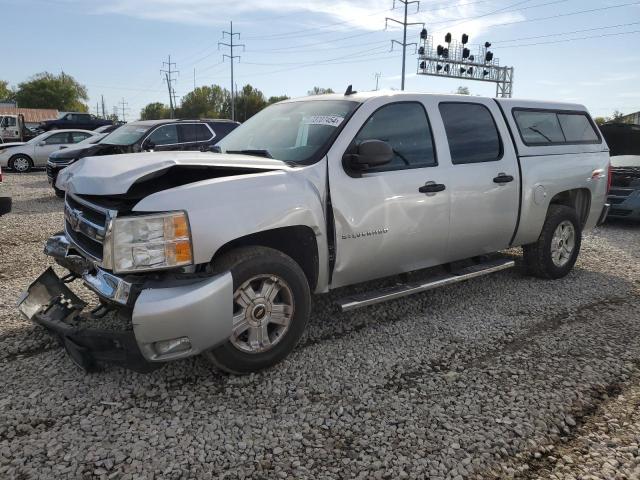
404, 24
124, 104
103, 115
168, 72
231, 58
377, 75
97, 110
194, 78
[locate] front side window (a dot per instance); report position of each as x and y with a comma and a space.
165, 135
404, 126
471, 132
58, 139
9, 122
291, 131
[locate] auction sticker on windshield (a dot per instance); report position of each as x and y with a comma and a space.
330, 120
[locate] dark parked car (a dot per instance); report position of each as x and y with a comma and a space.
624, 145
145, 135
81, 120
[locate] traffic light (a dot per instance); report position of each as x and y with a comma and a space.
423, 34
465, 38
447, 38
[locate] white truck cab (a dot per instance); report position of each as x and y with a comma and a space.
11, 128
219, 253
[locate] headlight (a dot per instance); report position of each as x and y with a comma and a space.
151, 242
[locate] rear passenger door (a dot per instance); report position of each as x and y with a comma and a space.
484, 183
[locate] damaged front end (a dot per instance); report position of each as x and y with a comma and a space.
624, 194
168, 314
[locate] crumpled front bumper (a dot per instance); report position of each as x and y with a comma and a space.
171, 317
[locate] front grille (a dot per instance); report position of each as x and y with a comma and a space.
86, 225
625, 177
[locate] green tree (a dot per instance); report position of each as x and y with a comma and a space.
319, 91
5, 92
155, 111
249, 101
277, 98
46, 90
463, 91
206, 102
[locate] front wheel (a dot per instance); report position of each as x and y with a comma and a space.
556, 251
271, 306
21, 163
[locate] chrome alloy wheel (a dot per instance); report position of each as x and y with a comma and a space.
563, 243
262, 312
21, 164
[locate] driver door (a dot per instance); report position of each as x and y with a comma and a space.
384, 223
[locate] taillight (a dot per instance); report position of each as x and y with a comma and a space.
609, 178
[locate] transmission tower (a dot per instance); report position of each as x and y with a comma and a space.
231, 45
169, 71
124, 109
404, 24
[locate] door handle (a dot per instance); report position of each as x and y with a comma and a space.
503, 178
431, 187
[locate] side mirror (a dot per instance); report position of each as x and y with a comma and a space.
42, 143
148, 145
5, 205
368, 154
215, 149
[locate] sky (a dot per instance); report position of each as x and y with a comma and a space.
584, 51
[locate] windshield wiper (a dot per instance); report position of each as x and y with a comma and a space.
535, 129
258, 153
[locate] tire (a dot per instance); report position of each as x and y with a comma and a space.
21, 163
262, 269
556, 251
59, 193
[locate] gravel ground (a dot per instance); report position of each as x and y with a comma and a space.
493, 378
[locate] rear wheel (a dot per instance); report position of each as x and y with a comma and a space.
271, 306
21, 163
556, 251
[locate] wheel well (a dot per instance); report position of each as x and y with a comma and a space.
579, 199
298, 242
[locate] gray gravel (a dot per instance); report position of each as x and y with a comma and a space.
478, 380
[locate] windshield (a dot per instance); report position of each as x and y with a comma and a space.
126, 135
291, 131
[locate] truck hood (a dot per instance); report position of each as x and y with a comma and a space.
140, 174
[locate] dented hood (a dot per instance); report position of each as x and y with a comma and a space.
117, 174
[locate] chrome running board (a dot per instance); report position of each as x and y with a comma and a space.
397, 291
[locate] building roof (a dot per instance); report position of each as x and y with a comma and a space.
31, 115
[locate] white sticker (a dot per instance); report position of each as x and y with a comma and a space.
330, 120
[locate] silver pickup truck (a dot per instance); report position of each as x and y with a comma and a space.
218, 253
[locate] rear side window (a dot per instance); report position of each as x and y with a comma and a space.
471, 132
195, 132
549, 127
405, 127
165, 135
577, 128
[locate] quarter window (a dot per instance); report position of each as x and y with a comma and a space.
165, 135
405, 127
471, 132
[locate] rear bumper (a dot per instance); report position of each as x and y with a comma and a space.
625, 204
166, 318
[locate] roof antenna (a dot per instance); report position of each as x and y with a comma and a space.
349, 91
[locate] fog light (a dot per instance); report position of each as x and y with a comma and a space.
175, 345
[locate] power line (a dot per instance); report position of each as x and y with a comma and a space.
565, 40
404, 24
565, 33
231, 58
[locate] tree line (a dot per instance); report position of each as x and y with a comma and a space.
64, 93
